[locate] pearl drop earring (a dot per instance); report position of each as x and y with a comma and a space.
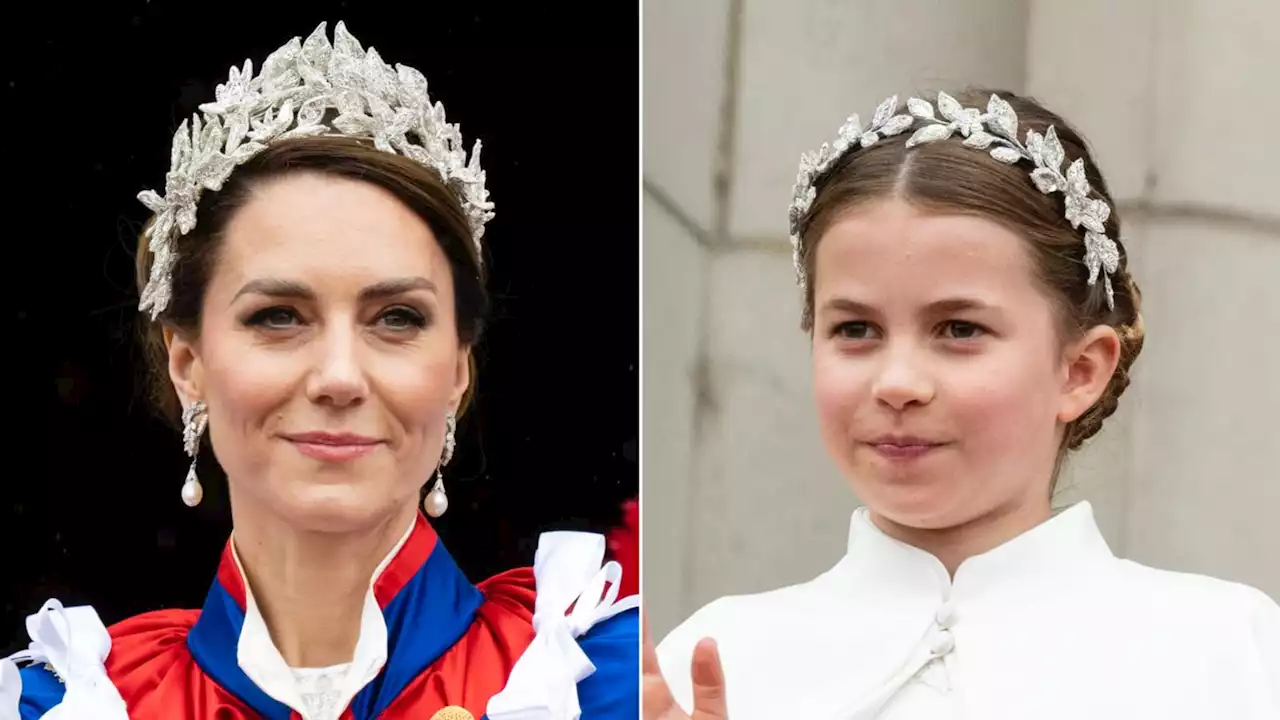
195, 418
437, 502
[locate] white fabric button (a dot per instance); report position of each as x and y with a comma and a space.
943, 643
946, 616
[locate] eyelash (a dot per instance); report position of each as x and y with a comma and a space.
839, 330
260, 318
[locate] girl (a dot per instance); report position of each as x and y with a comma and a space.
972, 321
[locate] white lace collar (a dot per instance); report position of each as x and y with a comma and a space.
262, 662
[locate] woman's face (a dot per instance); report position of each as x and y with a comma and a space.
328, 353
941, 381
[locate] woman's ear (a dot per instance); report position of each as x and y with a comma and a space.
185, 369
461, 378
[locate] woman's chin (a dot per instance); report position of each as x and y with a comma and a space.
336, 507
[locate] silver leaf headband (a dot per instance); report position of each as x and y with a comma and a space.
289, 98
995, 131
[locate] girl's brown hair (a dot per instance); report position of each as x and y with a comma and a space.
947, 177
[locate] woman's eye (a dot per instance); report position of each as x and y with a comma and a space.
403, 319
274, 317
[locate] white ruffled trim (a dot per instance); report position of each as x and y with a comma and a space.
543, 685
75, 644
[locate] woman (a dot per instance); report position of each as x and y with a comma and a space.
314, 280
972, 321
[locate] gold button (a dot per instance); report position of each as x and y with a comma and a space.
453, 712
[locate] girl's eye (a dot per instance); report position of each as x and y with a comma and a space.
961, 330
854, 330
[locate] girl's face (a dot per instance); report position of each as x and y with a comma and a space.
942, 382
328, 354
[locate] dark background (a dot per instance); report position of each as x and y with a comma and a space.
90, 98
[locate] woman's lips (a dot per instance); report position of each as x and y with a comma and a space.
333, 447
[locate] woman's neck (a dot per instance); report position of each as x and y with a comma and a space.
954, 544
310, 586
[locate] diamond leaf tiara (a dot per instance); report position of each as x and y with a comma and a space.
292, 96
994, 131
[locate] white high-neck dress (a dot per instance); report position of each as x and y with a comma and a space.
1049, 625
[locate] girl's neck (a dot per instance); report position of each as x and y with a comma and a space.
954, 544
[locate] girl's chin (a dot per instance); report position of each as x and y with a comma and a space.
915, 506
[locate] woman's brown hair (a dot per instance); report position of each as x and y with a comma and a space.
419, 188
947, 177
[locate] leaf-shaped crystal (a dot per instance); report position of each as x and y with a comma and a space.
1003, 120
278, 71
344, 43
357, 124
1051, 152
213, 171
806, 199
312, 111
303, 131
413, 85
929, 133
185, 217
896, 125
1035, 147
1105, 248
1077, 183
884, 112
851, 130
381, 78
237, 126
1074, 209
979, 140
316, 49
202, 135
822, 157
948, 106
246, 151
153, 201
1101, 252
270, 126
349, 102
160, 229
920, 108
181, 148
1092, 261
1006, 155
1094, 214
868, 139
313, 76
1047, 181
968, 121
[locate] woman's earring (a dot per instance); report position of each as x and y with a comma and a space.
195, 418
436, 501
